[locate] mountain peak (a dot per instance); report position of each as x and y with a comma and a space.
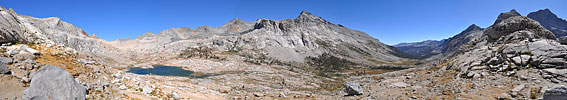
506, 15
304, 12
543, 13
550, 21
235, 21
513, 11
472, 27
306, 17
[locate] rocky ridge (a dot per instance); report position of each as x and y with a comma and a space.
289, 40
550, 21
516, 58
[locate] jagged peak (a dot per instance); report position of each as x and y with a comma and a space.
513, 11
306, 17
542, 13
235, 21
506, 15
305, 13
472, 28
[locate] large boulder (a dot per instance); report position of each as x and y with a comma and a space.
4, 69
518, 23
353, 89
6, 60
562, 40
556, 93
54, 83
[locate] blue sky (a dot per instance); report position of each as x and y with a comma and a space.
391, 21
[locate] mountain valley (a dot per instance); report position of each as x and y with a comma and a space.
518, 57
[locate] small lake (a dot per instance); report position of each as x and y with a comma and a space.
161, 70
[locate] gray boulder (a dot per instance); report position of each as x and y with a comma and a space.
4, 69
52, 82
6, 60
353, 89
562, 40
147, 90
174, 95
555, 93
521, 60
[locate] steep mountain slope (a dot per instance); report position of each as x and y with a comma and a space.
550, 21
289, 40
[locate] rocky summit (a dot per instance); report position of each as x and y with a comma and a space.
550, 21
308, 57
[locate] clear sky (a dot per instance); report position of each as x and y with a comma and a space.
391, 21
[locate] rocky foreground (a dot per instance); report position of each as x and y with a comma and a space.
303, 58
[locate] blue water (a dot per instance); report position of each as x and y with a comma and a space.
161, 71
166, 71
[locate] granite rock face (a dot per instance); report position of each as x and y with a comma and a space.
52, 82
550, 21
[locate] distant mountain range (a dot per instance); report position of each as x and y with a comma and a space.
429, 48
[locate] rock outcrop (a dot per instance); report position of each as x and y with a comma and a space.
555, 93
506, 15
520, 27
562, 40
4, 69
550, 21
52, 82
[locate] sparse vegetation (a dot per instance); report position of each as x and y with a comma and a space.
327, 65
201, 52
